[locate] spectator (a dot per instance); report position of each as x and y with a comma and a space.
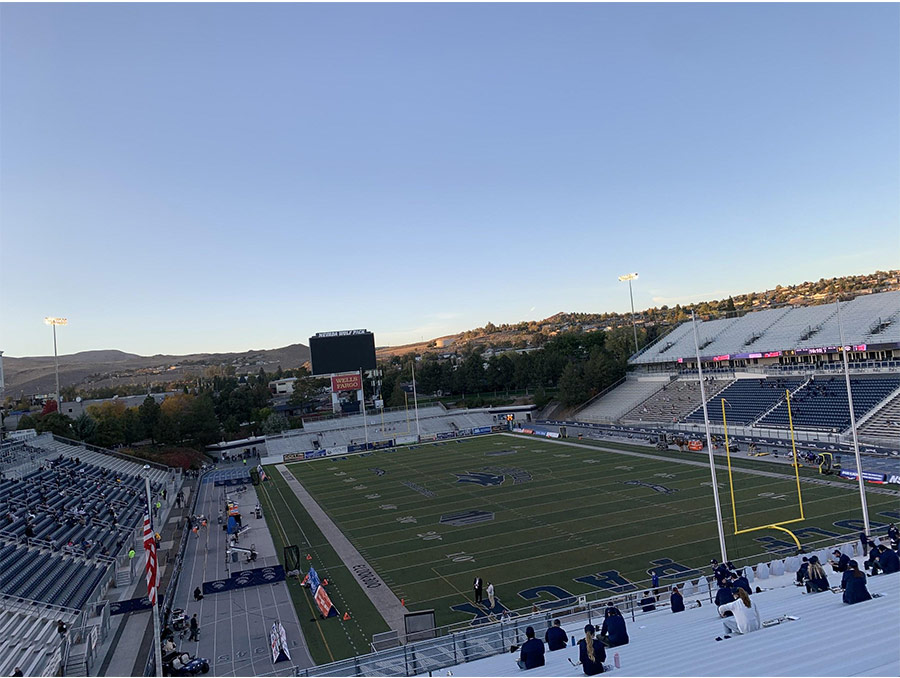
894, 535
556, 637
677, 600
841, 561
490, 592
740, 582
648, 602
195, 629
801, 573
816, 579
17, 672
854, 585
864, 540
654, 583
724, 595
613, 632
745, 614
591, 652
532, 654
477, 586
888, 560
198, 594
61, 628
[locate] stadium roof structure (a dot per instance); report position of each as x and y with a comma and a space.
870, 322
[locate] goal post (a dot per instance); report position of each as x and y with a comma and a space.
779, 525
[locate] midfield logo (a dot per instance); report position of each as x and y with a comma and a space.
662, 489
479, 478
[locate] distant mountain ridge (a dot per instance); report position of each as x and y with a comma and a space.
111, 367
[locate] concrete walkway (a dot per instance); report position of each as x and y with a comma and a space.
387, 604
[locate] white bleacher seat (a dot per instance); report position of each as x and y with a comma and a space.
829, 638
620, 400
762, 571
748, 573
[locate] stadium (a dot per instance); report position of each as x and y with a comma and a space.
352, 546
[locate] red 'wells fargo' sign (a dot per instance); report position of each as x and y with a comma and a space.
346, 382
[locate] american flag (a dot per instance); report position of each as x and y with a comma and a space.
150, 547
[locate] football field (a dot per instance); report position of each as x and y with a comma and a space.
544, 519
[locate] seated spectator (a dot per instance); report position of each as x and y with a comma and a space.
725, 594
745, 614
677, 600
648, 602
888, 560
613, 632
740, 582
841, 561
854, 585
532, 654
556, 637
816, 579
591, 652
801, 573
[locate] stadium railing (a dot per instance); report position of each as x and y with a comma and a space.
111, 453
465, 642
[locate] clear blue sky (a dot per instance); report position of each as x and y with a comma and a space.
181, 178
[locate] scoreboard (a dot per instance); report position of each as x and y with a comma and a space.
343, 351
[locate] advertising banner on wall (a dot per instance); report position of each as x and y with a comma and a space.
346, 382
406, 440
480, 430
356, 448
332, 451
443, 435
428, 437
314, 454
294, 456
381, 444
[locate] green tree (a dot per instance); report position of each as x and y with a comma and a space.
84, 427
275, 423
572, 387
148, 413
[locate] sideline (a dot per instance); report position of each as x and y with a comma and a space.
387, 604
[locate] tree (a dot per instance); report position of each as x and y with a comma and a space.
148, 413
55, 423
133, 429
201, 424
572, 388
84, 427
275, 423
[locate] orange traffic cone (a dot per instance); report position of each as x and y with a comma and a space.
346, 616
308, 557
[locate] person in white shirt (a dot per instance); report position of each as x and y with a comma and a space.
746, 614
490, 592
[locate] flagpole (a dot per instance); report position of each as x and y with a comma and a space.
154, 610
712, 463
859, 471
415, 397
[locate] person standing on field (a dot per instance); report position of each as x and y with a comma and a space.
478, 586
490, 592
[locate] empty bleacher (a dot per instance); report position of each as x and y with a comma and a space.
620, 400
866, 319
822, 402
885, 423
29, 640
747, 400
675, 400
48, 578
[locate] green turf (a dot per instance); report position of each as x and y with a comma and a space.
332, 638
574, 518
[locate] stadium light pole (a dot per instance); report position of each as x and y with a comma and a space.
712, 463
415, 397
859, 471
629, 277
53, 322
362, 390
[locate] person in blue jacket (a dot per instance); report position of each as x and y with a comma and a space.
889, 560
613, 632
741, 582
724, 595
591, 652
677, 600
556, 637
854, 585
841, 562
532, 654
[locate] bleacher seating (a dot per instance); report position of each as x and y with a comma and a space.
822, 403
747, 400
615, 403
868, 318
675, 400
349, 430
29, 641
885, 423
49, 578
